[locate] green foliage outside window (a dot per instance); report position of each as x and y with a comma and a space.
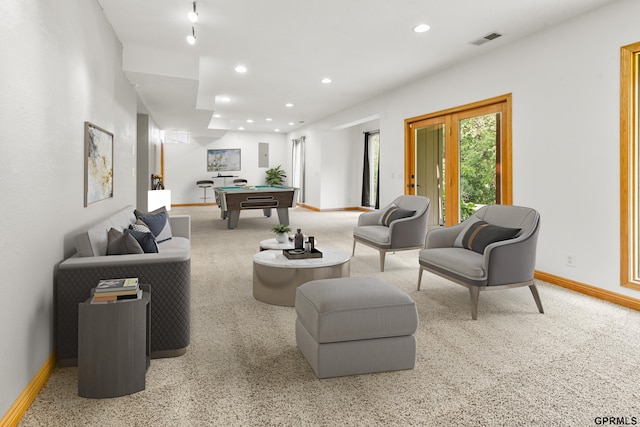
477, 163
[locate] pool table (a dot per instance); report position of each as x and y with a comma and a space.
232, 200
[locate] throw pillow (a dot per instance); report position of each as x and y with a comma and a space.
140, 226
481, 234
394, 213
146, 240
122, 244
158, 223
467, 224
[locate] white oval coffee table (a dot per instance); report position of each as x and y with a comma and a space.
276, 277
274, 244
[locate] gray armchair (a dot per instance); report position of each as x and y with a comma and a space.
502, 264
404, 233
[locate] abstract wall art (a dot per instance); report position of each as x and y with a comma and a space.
98, 176
227, 159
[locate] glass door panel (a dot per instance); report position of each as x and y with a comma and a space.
479, 162
460, 158
430, 170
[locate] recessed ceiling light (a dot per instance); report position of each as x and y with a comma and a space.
249, 121
240, 128
268, 119
288, 105
326, 80
421, 28
291, 123
241, 69
217, 115
277, 130
223, 98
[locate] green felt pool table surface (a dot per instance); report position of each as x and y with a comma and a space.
257, 188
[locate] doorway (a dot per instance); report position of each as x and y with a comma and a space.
460, 158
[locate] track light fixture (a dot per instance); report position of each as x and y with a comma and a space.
193, 16
191, 38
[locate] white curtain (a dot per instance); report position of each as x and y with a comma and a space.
297, 175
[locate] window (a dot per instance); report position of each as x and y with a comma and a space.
629, 167
174, 136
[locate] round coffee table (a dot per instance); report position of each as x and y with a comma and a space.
276, 277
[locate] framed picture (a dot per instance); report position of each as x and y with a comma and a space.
225, 159
98, 168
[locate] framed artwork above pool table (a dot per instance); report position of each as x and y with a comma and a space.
223, 159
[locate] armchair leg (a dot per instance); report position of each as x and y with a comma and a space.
353, 251
536, 296
474, 291
382, 254
420, 277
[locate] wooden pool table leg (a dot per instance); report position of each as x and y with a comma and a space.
232, 218
283, 215
267, 212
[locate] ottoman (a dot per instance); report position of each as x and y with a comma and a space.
355, 325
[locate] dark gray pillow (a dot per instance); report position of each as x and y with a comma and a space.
146, 240
394, 213
481, 234
122, 244
157, 221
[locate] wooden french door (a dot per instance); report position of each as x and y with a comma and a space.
460, 158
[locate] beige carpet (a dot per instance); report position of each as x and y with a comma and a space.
512, 367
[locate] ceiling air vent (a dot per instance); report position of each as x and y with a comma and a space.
486, 38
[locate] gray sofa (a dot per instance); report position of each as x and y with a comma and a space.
168, 273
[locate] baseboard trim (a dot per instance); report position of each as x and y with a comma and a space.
592, 291
28, 395
313, 208
178, 205
302, 205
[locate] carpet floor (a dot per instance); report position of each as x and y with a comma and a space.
511, 367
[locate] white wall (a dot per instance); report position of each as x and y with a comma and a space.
187, 163
148, 162
61, 66
333, 163
565, 86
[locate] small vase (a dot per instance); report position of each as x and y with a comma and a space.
281, 237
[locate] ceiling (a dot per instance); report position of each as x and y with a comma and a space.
366, 47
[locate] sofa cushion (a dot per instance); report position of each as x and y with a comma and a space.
94, 241
394, 213
177, 245
481, 234
146, 240
122, 244
157, 221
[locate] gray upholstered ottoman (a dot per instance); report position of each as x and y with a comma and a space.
355, 325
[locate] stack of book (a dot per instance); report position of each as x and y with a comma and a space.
109, 290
